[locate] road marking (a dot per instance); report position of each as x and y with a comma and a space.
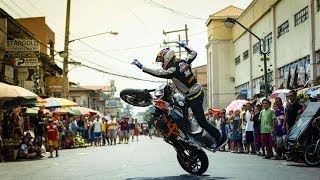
82, 154
55, 163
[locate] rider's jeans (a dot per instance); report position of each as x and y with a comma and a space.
197, 109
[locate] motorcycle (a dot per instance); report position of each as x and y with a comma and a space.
170, 120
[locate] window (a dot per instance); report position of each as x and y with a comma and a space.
301, 16
283, 28
245, 55
318, 5
256, 47
269, 38
237, 60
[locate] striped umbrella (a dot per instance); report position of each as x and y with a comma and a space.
59, 102
37, 101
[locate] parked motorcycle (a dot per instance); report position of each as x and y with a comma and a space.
170, 118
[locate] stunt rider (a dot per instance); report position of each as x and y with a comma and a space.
179, 71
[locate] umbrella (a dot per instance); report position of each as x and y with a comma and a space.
213, 111
59, 102
10, 92
236, 105
83, 110
280, 93
37, 101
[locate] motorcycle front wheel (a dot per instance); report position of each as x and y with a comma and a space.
194, 161
312, 155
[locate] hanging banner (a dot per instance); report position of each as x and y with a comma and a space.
53, 84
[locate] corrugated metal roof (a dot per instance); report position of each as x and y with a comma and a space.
230, 11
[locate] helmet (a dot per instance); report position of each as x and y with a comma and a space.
165, 56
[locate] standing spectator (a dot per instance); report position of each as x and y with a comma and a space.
279, 131
80, 124
249, 129
243, 123
97, 131
39, 124
293, 110
124, 127
256, 128
73, 126
223, 120
131, 129
53, 136
151, 129
136, 129
267, 117
61, 130
112, 127
236, 133
90, 130
103, 131
210, 119
229, 129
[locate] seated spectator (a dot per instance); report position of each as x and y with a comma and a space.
24, 150
69, 144
36, 147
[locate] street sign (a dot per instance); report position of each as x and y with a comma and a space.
53, 84
26, 62
112, 104
23, 45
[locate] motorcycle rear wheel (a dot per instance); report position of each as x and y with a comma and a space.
194, 161
310, 158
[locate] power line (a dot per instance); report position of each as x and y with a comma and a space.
110, 73
107, 55
99, 70
148, 45
173, 11
20, 8
11, 9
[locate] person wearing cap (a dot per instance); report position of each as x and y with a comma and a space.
53, 136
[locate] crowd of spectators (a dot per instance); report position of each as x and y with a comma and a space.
257, 128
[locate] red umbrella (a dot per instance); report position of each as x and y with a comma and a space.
215, 111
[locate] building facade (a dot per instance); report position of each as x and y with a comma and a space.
24, 58
201, 75
290, 30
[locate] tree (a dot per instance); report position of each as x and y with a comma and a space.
147, 114
127, 110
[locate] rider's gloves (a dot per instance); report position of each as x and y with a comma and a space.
137, 63
182, 44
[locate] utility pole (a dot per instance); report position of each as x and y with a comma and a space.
179, 37
65, 87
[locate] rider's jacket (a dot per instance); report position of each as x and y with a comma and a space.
181, 74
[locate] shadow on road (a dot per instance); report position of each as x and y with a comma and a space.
184, 176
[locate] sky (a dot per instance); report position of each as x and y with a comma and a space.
140, 24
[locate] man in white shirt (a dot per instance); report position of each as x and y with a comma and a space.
97, 131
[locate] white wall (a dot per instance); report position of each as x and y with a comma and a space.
295, 43
242, 70
262, 28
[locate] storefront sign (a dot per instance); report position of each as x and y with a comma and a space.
26, 61
111, 104
9, 74
20, 54
23, 45
53, 84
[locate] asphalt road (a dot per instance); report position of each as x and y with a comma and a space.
150, 159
